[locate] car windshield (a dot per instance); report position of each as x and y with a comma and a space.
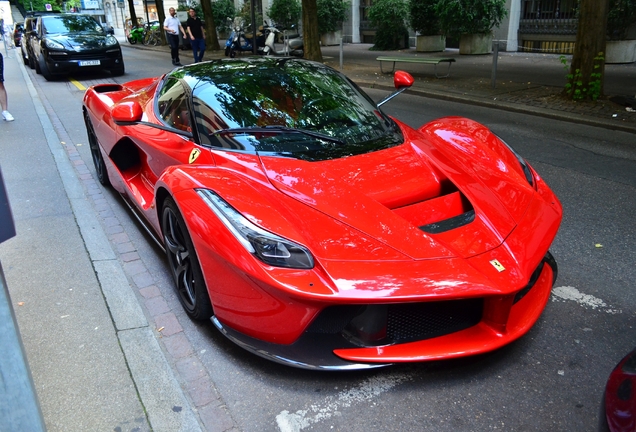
71, 24
287, 107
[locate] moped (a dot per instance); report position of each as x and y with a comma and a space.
293, 44
239, 41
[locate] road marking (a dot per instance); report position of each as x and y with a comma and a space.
77, 84
587, 301
368, 389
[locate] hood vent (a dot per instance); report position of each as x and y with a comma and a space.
451, 209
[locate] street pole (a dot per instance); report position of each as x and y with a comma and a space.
253, 17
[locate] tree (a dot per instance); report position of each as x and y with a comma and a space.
311, 37
133, 14
210, 28
588, 64
161, 14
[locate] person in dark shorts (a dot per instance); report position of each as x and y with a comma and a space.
3, 93
197, 35
172, 25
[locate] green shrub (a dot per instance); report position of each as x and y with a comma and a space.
388, 18
222, 10
285, 13
423, 17
622, 15
458, 17
331, 15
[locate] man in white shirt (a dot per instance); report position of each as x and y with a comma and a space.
172, 25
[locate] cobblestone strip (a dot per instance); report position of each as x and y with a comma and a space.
202, 392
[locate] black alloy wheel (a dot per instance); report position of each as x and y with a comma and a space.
44, 69
98, 160
184, 264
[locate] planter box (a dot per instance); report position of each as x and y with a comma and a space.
430, 43
623, 51
475, 44
331, 38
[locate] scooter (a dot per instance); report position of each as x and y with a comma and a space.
239, 41
293, 45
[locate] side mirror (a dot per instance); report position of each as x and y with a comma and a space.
401, 80
127, 112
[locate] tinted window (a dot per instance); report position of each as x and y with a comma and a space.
173, 106
300, 95
71, 24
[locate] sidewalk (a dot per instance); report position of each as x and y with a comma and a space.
525, 82
94, 356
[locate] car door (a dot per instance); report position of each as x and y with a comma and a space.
171, 144
34, 40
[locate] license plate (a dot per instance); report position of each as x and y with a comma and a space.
89, 63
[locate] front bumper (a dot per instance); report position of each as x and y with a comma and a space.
370, 336
69, 62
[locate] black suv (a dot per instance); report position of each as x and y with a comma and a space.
66, 43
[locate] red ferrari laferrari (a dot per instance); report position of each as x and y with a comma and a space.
315, 230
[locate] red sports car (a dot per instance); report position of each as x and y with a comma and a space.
315, 230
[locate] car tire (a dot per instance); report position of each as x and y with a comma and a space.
44, 69
96, 154
25, 60
119, 71
36, 65
184, 264
31, 61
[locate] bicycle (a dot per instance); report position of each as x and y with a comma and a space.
151, 35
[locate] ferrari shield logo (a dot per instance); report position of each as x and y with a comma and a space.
496, 264
194, 154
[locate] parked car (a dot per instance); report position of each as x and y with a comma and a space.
18, 29
66, 43
618, 408
25, 43
317, 231
30, 21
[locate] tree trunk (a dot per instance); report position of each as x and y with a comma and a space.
311, 37
589, 51
162, 17
211, 40
133, 15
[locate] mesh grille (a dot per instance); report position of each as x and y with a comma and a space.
405, 322
418, 321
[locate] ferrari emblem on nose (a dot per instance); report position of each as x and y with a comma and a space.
194, 154
496, 264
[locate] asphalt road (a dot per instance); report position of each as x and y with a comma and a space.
551, 379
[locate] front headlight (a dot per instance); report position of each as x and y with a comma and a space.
527, 172
268, 247
111, 40
53, 44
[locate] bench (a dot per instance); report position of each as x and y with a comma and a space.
423, 60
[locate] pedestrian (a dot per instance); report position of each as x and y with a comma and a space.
3, 93
197, 35
172, 25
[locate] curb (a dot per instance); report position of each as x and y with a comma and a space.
159, 380
507, 106
460, 98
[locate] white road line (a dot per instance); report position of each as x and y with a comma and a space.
368, 389
587, 301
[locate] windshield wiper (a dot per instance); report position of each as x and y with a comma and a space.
281, 129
